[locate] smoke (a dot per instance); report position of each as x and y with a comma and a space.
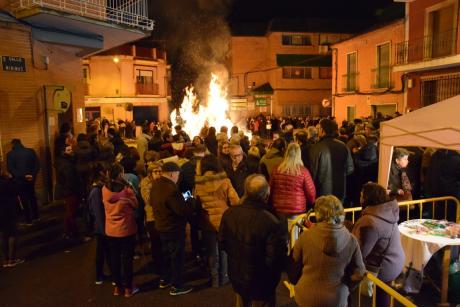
197, 38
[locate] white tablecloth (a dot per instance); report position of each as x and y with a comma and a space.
419, 247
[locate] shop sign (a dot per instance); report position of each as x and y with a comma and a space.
261, 101
11, 63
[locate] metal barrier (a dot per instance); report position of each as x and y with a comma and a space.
394, 295
297, 225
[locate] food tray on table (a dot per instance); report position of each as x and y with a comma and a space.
441, 228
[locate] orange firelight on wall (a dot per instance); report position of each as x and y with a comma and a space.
116, 59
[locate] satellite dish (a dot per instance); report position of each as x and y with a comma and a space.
62, 99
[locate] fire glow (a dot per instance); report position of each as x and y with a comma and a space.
195, 116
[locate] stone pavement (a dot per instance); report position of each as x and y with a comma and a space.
66, 278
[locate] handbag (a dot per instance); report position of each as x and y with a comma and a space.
412, 280
366, 286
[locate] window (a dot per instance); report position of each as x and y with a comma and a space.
328, 38
325, 72
296, 72
383, 69
439, 88
351, 76
296, 40
145, 82
144, 76
351, 113
86, 74
91, 113
385, 109
297, 110
86, 79
442, 30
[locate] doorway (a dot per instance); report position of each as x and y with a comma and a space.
385, 109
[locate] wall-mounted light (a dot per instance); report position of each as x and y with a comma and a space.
410, 83
116, 59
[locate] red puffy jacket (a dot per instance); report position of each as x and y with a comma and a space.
292, 193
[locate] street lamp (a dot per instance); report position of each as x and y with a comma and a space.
116, 60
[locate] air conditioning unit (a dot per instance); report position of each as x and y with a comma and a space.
323, 48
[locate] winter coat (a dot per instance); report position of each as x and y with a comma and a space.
254, 241
96, 209
269, 161
291, 194
305, 152
187, 174
443, 175
216, 194
169, 208
395, 183
119, 208
367, 163
331, 163
325, 262
253, 164
67, 181
378, 236
225, 161
84, 154
22, 161
146, 188
238, 176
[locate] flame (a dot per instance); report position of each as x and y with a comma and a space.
195, 116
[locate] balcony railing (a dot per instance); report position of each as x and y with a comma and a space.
381, 77
147, 89
426, 48
132, 13
350, 82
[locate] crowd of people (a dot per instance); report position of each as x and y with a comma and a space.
239, 197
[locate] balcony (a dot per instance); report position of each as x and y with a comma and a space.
350, 82
429, 47
147, 89
132, 13
381, 77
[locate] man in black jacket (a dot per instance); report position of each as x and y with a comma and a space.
330, 162
23, 165
254, 241
170, 212
239, 170
187, 184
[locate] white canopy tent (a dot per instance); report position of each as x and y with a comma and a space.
437, 126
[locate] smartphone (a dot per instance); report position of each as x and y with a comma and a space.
187, 195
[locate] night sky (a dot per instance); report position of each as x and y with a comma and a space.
197, 32
264, 10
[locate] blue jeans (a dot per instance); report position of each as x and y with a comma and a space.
173, 249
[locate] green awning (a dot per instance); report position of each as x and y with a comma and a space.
265, 88
307, 60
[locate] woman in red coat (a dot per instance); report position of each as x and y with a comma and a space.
291, 186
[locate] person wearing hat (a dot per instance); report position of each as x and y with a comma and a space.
170, 213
